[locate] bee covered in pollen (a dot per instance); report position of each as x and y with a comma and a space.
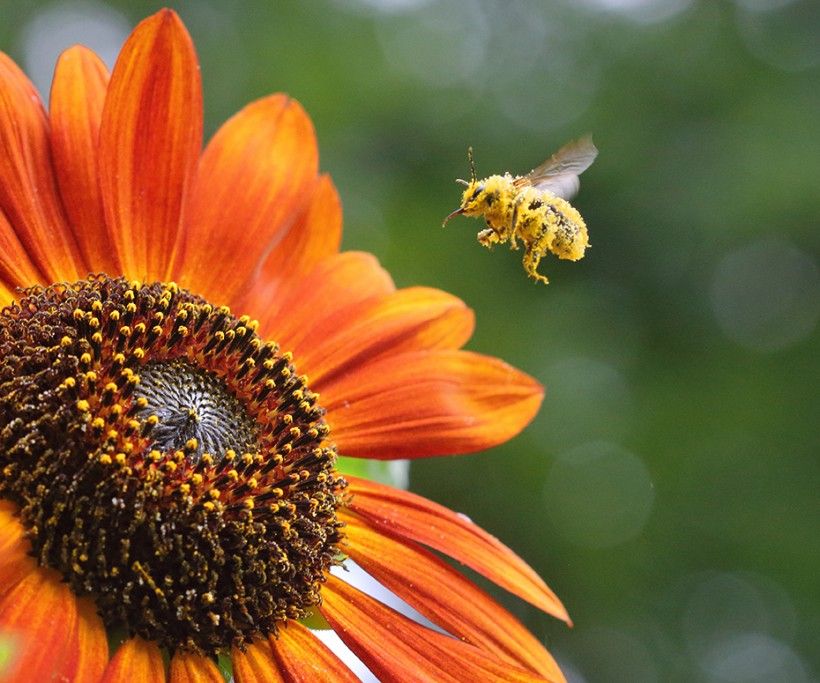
533, 208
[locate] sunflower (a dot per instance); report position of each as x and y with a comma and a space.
184, 352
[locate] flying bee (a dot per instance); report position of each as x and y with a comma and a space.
532, 207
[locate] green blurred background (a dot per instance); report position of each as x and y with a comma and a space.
669, 488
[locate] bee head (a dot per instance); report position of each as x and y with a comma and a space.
473, 197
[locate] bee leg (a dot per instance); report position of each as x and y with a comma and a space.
487, 237
532, 257
513, 220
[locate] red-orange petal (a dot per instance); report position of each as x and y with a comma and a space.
407, 515
88, 660
303, 658
444, 596
253, 182
338, 281
76, 105
410, 319
393, 647
187, 667
255, 664
315, 235
40, 614
15, 562
135, 660
28, 193
16, 269
425, 403
150, 139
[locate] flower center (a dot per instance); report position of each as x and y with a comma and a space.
192, 403
166, 460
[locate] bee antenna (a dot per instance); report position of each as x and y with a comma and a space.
472, 163
460, 181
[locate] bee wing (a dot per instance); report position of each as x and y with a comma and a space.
559, 174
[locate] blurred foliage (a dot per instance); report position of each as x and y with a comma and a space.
668, 491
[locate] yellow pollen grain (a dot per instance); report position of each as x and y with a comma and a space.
66, 341
96, 338
90, 376
85, 359
96, 306
191, 444
69, 383
83, 406
120, 458
98, 423
209, 506
196, 479
138, 353
230, 455
105, 459
215, 494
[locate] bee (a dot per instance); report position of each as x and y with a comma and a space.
532, 208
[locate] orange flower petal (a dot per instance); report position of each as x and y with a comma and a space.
28, 194
304, 658
76, 106
40, 612
445, 597
16, 269
187, 667
393, 647
338, 281
255, 664
408, 320
251, 185
135, 660
15, 562
407, 515
315, 235
425, 403
150, 138
88, 660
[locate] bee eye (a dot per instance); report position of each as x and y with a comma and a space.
477, 192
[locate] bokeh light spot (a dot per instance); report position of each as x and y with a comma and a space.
766, 295
589, 400
598, 495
